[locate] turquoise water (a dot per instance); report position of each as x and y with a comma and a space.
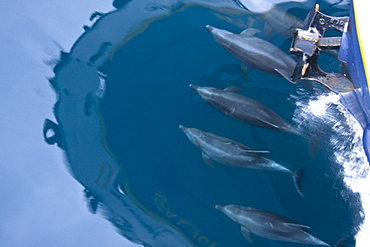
148, 161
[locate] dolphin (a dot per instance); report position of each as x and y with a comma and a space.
232, 153
263, 6
243, 108
269, 225
281, 22
255, 52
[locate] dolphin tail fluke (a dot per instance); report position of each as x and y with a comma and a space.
297, 178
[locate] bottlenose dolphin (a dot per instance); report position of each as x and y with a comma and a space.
263, 6
282, 22
269, 225
276, 18
232, 153
255, 52
286, 24
243, 108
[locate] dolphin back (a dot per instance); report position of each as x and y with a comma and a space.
254, 52
269, 225
245, 109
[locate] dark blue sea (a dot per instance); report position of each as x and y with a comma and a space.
123, 90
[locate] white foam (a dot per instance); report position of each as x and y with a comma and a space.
346, 143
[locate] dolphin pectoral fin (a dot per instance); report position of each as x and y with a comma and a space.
268, 31
297, 178
245, 70
232, 89
250, 32
246, 233
341, 242
287, 75
207, 159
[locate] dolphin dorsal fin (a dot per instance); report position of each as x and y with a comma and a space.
249, 150
246, 233
250, 32
297, 225
232, 89
285, 74
258, 151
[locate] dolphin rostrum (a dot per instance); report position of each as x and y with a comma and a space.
243, 108
255, 52
269, 225
232, 153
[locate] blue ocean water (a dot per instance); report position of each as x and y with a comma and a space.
151, 168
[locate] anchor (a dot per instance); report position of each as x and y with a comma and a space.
307, 44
